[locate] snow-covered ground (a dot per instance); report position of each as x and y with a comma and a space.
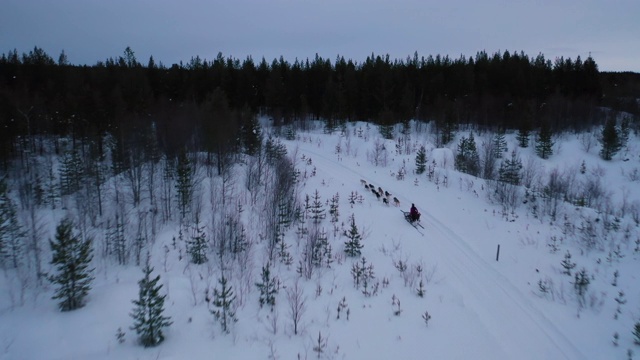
480, 307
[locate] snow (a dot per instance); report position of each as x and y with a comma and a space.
481, 307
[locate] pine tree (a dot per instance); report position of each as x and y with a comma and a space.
116, 241
544, 143
467, 159
625, 129
353, 246
523, 134
499, 145
610, 140
184, 183
268, 287
317, 208
148, 317
321, 252
197, 246
71, 172
251, 133
421, 160
223, 301
636, 333
509, 171
239, 242
581, 285
567, 264
11, 235
333, 208
72, 257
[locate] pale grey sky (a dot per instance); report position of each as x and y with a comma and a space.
171, 31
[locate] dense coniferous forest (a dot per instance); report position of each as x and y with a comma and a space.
225, 177
203, 104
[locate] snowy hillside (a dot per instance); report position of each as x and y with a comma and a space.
434, 292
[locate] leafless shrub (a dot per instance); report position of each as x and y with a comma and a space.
379, 156
634, 210
588, 140
297, 305
488, 169
633, 175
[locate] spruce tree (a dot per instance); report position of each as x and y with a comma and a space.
148, 317
333, 208
567, 264
116, 240
467, 159
322, 250
11, 235
544, 143
184, 183
523, 134
499, 145
223, 301
71, 172
421, 160
71, 257
197, 246
353, 246
251, 133
268, 287
610, 140
460, 162
636, 333
317, 208
625, 129
509, 171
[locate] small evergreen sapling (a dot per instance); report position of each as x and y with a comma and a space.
197, 245
320, 345
268, 287
636, 333
353, 246
421, 290
395, 302
581, 285
499, 144
343, 306
120, 335
621, 301
567, 264
610, 140
421, 160
72, 257
333, 208
224, 302
544, 143
426, 316
148, 317
11, 235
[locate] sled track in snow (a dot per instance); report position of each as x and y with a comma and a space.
546, 341
470, 267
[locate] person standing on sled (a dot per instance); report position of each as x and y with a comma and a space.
414, 215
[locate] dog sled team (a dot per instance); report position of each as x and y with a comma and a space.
412, 216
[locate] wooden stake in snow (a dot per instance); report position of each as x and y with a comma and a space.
498, 253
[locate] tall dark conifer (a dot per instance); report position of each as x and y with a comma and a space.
353, 246
421, 160
544, 143
149, 321
610, 140
71, 257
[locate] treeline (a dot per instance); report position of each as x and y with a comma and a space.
204, 103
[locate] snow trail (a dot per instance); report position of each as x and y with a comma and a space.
495, 299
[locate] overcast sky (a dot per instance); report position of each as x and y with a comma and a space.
172, 31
